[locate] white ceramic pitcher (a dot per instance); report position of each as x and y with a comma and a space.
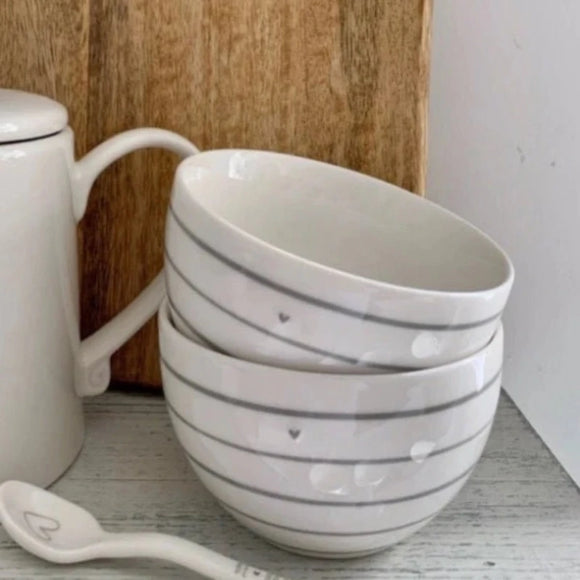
45, 369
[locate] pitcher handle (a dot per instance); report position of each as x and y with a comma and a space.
93, 369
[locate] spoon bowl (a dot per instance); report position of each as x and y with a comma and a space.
47, 525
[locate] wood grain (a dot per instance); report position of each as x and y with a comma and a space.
518, 517
44, 48
339, 80
342, 81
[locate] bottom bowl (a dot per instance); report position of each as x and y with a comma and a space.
329, 465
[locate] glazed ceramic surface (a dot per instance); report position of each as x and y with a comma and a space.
297, 263
329, 464
45, 368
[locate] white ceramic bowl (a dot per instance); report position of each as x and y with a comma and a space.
327, 464
297, 263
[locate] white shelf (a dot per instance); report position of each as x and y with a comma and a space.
518, 516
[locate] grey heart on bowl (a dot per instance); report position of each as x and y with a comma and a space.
297, 263
328, 464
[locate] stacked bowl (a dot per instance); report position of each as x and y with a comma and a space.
331, 347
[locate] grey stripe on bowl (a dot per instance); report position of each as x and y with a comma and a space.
329, 503
375, 416
329, 461
327, 533
292, 342
317, 301
325, 554
196, 334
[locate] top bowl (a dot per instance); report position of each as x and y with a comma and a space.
302, 264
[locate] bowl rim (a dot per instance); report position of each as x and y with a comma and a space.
371, 283
166, 325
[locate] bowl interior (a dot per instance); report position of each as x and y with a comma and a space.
344, 220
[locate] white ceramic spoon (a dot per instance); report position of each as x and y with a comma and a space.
59, 531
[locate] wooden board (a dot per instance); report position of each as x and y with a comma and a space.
44, 48
339, 80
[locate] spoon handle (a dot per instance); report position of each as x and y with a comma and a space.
182, 552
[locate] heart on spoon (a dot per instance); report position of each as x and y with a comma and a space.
41, 526
81, 537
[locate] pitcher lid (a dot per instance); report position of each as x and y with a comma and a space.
25, 116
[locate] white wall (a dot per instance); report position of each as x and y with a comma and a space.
504, 151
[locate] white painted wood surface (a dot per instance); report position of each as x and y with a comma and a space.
517, 518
